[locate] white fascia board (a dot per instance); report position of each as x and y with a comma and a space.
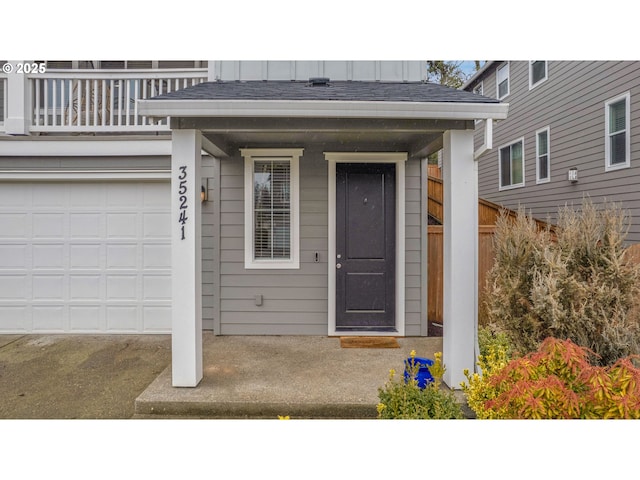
322, 109
81, 148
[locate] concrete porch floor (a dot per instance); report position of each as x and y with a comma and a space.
268, 376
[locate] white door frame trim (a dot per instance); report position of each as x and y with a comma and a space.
398, 159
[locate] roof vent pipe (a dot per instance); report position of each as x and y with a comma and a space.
319, 81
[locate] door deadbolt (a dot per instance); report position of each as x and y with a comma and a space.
338, 265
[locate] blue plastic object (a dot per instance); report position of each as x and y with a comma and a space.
423, 376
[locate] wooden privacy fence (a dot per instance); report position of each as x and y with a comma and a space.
435, 266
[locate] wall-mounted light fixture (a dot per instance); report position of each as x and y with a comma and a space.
572, 175
203, 194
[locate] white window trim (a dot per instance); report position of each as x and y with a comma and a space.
508, 67
542, 80
250, 156
515, 185
548, 179
607, 137
399, 159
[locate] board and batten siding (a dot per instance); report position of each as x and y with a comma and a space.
364, 70
571, 102
294, 302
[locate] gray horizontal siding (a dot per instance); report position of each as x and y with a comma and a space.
572, 104
413, 197
294, 301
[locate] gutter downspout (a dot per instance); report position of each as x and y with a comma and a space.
488, 139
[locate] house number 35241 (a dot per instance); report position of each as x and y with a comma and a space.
182, 199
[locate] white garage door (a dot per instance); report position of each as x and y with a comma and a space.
85, 257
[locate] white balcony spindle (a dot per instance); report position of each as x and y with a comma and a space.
37, 102
63, 88
136, 96
119, 102
103, 105
87, 97
111, 101
128, 100
54, 91
144, 95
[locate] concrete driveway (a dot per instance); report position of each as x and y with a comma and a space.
77, 376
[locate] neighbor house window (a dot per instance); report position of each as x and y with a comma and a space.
537, 72
502, 80
272, 208
511, 165
617, 140
543, 161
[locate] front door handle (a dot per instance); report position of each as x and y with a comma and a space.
338, 265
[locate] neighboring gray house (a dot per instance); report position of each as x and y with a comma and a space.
282, 198
572, 130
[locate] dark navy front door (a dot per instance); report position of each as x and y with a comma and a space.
365, 247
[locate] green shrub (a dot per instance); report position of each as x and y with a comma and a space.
405, 400
490, 338
557, 381
578, 286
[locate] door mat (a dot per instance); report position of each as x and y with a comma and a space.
369, 342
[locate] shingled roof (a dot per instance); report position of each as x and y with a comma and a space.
324, 89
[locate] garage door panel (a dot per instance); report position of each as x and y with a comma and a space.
48, 318
85, 287
46, 287
156, 287
156, 225
122, 287
14, 225
156, 256
122, 225
48, 225
13, 287
122, 319
157, 318
14, 319
120, 195
87, 196
85, 257
50, 196
48, 256
85, 318
85, 225
122, 256
13, 256
14, 195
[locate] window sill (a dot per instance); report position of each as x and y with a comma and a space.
510, 187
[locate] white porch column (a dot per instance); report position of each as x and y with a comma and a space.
186, 334
17, 117
460, 282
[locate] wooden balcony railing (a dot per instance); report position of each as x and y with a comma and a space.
102, 100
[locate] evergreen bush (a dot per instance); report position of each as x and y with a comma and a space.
574, 284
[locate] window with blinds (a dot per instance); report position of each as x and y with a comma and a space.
272, 197
617, 137
272, 209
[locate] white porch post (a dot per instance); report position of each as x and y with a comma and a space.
186, 334
460, 177
17, 120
